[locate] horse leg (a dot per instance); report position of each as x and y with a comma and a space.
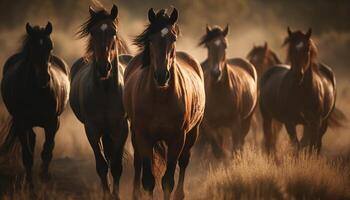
269, 136
137, 168
323, 129
184, 159
291, 130
117, 157
27, 140
46, 154
213, 137
93, 136
144, 152
175, 147
245, 126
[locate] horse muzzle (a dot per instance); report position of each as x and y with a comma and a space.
162, 77
105, 71
216, 74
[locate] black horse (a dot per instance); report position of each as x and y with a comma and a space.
35, 88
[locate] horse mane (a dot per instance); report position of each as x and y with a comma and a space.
213, 33
86, 27
142, 40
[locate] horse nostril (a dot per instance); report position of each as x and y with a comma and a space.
162, 76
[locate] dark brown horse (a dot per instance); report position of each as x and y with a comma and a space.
231, 93
96, 94
35, 89
263, 58
164, 98
303, 93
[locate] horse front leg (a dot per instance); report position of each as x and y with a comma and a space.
49, 144
117, 156
184, 159
291, 130
27, 140
93, 134
175, 147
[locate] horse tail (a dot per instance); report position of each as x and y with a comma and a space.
8, 139
337, 118
159, 158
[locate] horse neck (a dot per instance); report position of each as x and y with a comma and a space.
173, 82
212, 60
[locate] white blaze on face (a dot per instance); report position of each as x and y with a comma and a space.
217, 42
103, 27
255, 57
164, 31
299, 45
41, 41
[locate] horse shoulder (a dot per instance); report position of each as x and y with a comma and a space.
76, 67
245, 65
11, 61
328, 72
60, 63
193, 63
133, 64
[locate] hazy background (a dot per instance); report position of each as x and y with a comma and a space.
250, 21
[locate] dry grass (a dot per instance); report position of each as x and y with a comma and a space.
252, 175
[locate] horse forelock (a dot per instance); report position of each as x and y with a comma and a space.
97, 19
158, 25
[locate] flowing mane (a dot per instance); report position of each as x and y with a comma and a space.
142, 40
85, 28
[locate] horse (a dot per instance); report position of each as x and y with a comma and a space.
262, 57
41, 85
302, 93
231, 93
96, 94
164, 97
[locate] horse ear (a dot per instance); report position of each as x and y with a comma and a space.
114, 12
309, 32
173, 17
208, 29
265, 45
29, 29
225, 32
91, 11
151, 15
48, 28
289, 31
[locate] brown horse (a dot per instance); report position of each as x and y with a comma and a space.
96, 95
263, 58
231, 92
164, 97
35, 89
303, 93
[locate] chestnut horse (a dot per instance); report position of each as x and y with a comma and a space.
303, 93
35, 89
164, 97
263, 58
96, 94
231, 93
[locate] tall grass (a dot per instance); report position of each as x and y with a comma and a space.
253, 175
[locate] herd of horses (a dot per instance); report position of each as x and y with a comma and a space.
165, 97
